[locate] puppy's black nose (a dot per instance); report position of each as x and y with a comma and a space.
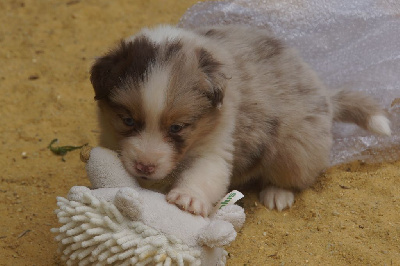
146, 169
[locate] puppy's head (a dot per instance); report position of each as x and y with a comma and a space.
158, 100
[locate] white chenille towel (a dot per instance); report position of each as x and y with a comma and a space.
119, 223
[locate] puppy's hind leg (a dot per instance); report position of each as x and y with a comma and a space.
295, 167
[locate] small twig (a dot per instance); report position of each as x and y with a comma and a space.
1, 237
23, 233
62, 150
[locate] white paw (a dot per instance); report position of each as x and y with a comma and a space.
278, 198
187, 201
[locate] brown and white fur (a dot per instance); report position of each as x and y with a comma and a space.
216, 107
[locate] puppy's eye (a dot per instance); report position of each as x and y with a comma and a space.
128, 121
175, 128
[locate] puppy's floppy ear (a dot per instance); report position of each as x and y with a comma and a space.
212, 68
129, 60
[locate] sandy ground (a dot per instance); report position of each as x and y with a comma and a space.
351, 216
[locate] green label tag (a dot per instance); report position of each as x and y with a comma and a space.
229, 199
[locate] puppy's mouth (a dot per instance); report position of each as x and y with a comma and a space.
145, 177
143, 173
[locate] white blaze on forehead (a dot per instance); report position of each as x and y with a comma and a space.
149, 147
154, 94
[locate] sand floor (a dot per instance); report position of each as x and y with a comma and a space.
351, 216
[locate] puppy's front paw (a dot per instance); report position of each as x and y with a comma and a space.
278, 198
187, 200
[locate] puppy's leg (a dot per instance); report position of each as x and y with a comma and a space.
202, 185
298, 162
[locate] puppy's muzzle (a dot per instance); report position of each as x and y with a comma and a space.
146, 169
